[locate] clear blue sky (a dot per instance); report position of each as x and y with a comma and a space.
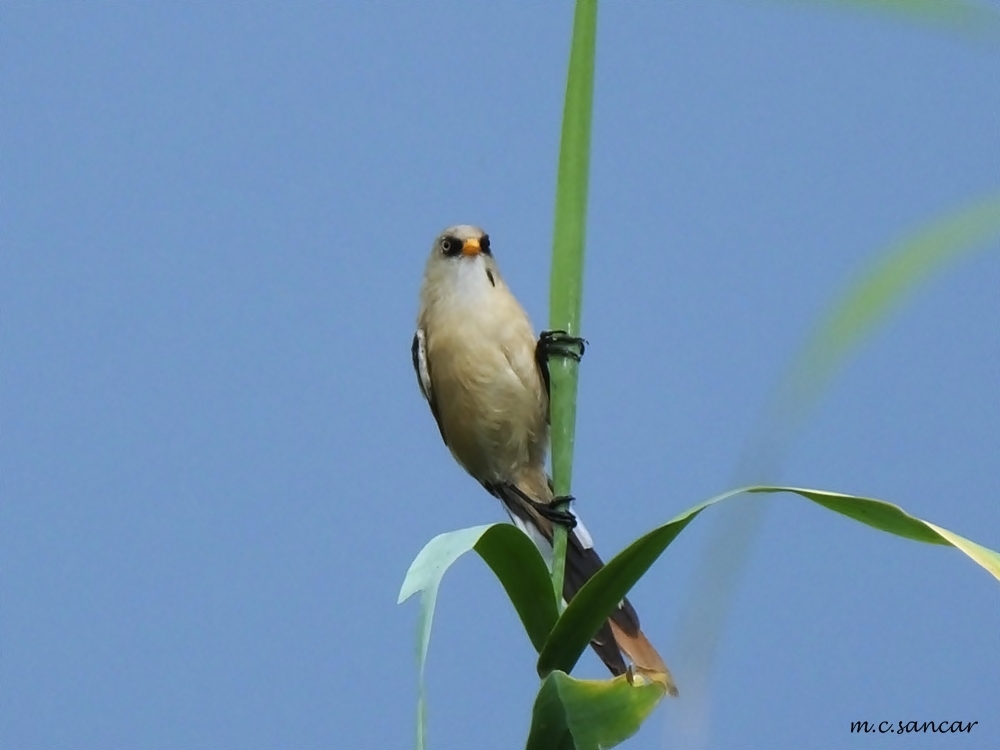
217, 465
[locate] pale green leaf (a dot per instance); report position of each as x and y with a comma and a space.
514, 560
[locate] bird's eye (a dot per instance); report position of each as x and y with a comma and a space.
484, 244
450, 246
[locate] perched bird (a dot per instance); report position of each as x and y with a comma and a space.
485, 377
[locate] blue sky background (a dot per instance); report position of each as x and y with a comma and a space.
217, 465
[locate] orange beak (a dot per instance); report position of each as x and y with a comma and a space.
471, 247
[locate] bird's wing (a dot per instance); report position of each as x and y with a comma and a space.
422, 367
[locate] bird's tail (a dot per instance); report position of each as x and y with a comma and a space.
621, 632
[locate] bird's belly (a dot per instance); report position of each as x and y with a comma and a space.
495, 424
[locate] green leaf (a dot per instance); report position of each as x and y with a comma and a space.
574, 714
602, 593
894, 520
517, 564
514, 560
569, 233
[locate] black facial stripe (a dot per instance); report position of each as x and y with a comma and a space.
451, 246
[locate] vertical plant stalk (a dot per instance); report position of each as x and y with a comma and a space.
569, 234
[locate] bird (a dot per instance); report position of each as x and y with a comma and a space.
485, 376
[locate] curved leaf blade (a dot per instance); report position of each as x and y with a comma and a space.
982, 555
602, 593
892, 519
572, 714
424, 576
514, 560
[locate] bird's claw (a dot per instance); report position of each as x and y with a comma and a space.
558, 511
561, 344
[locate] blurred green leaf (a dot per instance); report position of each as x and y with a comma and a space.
898, 272
568, 242
602, 593
976, 20
514, 560
902, 268
574, 714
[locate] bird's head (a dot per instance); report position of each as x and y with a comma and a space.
463, 241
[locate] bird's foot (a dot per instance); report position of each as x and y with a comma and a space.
558, 511
561, 344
